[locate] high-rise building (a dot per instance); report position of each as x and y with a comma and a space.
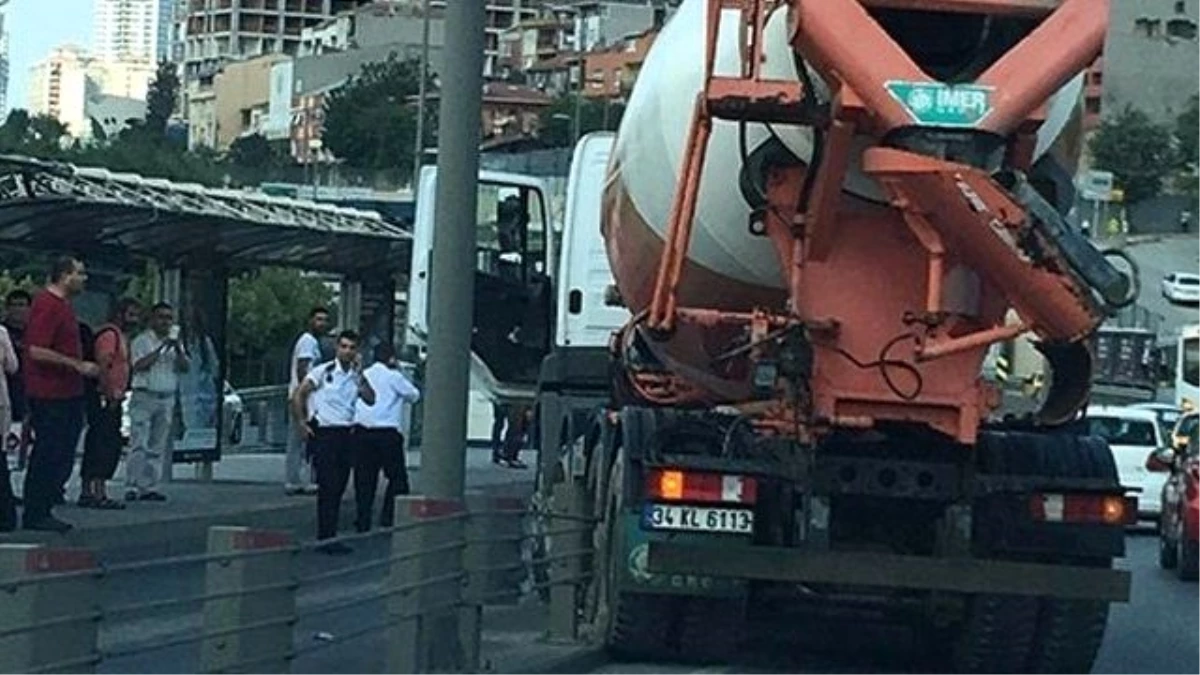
58, 87
133, 30
73, 87
3, 67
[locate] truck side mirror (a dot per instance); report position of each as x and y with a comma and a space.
1160, 460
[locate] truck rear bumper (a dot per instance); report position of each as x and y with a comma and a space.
963, 575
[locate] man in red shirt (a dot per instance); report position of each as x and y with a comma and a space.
54, 375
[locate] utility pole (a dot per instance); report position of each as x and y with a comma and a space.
452, 279
419, 141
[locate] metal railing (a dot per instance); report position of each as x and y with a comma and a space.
261, 601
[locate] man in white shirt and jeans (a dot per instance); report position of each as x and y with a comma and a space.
306, 353
379, 428
331, 391
158, 358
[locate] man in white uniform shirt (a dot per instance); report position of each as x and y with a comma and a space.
306, 353
158, 358
330, 391
381, 439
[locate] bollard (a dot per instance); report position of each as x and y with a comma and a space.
67, 610
422, 615
565, 571
248, 625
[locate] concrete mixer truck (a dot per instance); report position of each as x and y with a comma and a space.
817, 215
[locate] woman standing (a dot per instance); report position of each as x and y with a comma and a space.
8, 505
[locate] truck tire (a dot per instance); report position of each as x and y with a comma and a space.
997, 635
1189, 558
640, 626
711, 630
1168, 550
1067, 633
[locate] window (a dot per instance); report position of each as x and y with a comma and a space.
1180, 7
1148, 27
1191, 361
510, 231
1118, 431
1181, 29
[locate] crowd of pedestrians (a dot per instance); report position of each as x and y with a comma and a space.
62, 376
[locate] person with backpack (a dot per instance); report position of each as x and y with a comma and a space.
102, 441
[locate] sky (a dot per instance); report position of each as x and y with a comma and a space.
34, 28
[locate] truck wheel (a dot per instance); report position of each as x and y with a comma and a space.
1187, 554
1066, 633
1069, 633
1168, 551
636, 625
997, 635
711, 630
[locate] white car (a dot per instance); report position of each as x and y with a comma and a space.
1166, 413
1132, 434
1181, 287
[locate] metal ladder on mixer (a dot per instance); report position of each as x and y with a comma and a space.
747, 96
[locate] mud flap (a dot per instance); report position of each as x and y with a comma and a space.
635, 575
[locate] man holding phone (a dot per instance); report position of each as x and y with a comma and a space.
158, 358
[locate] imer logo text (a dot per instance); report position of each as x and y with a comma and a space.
935, 104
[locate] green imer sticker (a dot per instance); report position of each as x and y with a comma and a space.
934, 104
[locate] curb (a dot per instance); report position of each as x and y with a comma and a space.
582, 659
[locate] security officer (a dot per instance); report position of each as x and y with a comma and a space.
381, 439
334, 387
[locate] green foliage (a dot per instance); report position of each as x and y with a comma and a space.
370, 122
1136, 150
1187, 133
267, 310
161, 98
557, 120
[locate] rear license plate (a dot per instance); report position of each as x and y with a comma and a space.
697, 519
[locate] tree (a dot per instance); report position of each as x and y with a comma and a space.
369, 121
162, 98
1136, 150
267, 310
556, 127
1187, 134
252, 152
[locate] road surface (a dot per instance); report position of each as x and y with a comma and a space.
1155, 260
1158, 631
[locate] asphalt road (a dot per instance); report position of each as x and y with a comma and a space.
1158, 631
1155, 260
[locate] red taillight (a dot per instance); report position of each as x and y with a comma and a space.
1083, 508
677, 485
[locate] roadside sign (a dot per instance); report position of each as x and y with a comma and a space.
1098, 186
934, 104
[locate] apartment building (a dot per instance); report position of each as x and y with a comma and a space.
602, 23
133, 30
1151, 57
612, 70
214, 32
74, 87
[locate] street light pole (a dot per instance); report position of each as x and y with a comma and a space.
419, 141
452, 279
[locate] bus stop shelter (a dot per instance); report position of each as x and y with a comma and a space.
198, 237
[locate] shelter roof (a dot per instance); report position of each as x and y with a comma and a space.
49, 205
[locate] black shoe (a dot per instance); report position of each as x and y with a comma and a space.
336, 548
153, 497
131, 496
516, 464
49, 524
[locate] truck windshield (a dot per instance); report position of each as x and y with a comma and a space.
1119, 431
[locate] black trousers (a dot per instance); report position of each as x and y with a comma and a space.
56, 427
378, 449
8, 504
102, 443
334, 454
